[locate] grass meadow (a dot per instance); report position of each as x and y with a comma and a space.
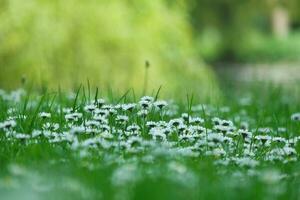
179, 99
92, 144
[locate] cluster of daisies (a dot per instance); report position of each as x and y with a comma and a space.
151, 128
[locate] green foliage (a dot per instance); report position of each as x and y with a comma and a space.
227, 22
242, 30
55, 42
262, 48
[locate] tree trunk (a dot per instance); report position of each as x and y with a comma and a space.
280, 22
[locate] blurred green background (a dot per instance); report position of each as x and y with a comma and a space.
67, 42
247, 30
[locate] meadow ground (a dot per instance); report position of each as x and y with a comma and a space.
89, 145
